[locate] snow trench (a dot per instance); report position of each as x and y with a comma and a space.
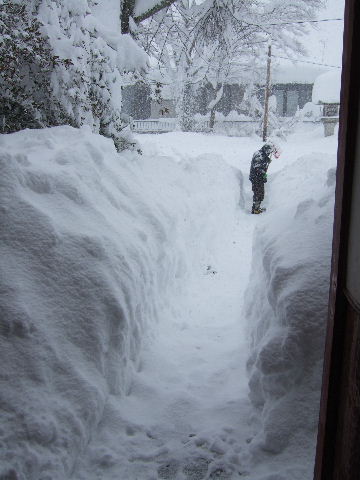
286, 308
98, 248
93, 251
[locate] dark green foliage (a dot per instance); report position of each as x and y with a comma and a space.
40, 89
27, 61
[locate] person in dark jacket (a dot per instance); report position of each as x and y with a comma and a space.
258, 173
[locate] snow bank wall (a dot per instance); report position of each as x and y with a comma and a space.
286, 306
89, 257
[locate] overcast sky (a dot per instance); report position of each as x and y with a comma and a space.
329, 36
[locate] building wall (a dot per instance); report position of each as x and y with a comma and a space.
231, 99
136, 101
138, 104
291, 96
164, 109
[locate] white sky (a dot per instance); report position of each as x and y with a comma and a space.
324, 45
329, 35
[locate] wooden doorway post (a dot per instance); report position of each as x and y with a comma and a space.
338, 446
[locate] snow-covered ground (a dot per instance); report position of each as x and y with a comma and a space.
139, 297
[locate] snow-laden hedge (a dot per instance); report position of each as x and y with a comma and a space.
88, 258
64, 64
286, 306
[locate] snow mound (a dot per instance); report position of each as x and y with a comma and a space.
85, 264
286, 307
94, 250
327, 87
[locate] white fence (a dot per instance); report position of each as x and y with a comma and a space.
227, 127
238, 128
153, 126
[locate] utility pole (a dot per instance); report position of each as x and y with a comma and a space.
267, 95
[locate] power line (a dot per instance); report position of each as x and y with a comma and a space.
308, 21
306, 61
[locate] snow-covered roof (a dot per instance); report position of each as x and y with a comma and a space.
327, 87
298, 73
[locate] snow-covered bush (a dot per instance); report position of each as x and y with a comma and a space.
234, 115
310, 112
282, 127
250, 103
286, 304
27, 62
71, 66
235, 128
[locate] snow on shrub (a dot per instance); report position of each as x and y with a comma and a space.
71, 66
286, 307
27, 60
310, 112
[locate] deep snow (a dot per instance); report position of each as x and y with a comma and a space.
125, 333
286, 310
327, 88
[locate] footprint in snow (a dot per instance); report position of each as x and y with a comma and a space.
210, 270
197, 469
168, 470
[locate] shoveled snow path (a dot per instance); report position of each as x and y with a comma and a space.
191, 394
186, 415
188, 406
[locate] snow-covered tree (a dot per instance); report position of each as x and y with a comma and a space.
64, 62
61, 65
165, 37
221, 40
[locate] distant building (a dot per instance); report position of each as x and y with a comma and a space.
136, 101
292, 86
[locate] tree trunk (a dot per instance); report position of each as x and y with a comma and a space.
212, 119
187, 114
127, 11
218, 96
267, 95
